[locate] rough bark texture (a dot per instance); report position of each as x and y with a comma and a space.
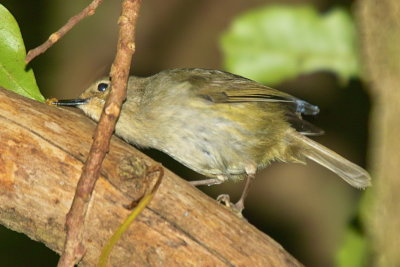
42, 150
380, 38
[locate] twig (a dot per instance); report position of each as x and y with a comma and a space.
87, 11
132, 216
73, 248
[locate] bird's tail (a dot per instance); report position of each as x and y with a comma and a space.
348, 171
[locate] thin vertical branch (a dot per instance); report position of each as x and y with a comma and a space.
73, 248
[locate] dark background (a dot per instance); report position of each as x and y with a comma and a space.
305, 208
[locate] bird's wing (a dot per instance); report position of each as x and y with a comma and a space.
224, 87
260, 94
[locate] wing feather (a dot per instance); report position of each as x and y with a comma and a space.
223, 87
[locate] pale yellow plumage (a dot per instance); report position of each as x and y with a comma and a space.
219, 124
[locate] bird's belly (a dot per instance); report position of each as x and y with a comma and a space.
213, 151
219, 140
205, 160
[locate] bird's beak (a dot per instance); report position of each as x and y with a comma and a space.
68, 102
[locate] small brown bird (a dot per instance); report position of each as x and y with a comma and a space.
221, 125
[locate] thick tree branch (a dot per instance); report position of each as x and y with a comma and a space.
42, 150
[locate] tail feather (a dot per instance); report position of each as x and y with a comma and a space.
348, 171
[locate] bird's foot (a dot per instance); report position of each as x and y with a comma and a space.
237, 208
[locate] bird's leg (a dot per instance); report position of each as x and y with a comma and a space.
212, 181
239, 206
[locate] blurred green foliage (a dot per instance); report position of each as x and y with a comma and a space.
13, 73
354, 250
276, 43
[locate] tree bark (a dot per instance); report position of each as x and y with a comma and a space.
380, 38
42, 150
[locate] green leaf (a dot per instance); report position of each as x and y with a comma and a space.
277, 43
354, 251
13, 73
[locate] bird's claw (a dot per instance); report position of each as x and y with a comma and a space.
237, 208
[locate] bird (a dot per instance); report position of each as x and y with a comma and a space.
221, 125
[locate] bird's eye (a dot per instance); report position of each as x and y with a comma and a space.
102, 87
